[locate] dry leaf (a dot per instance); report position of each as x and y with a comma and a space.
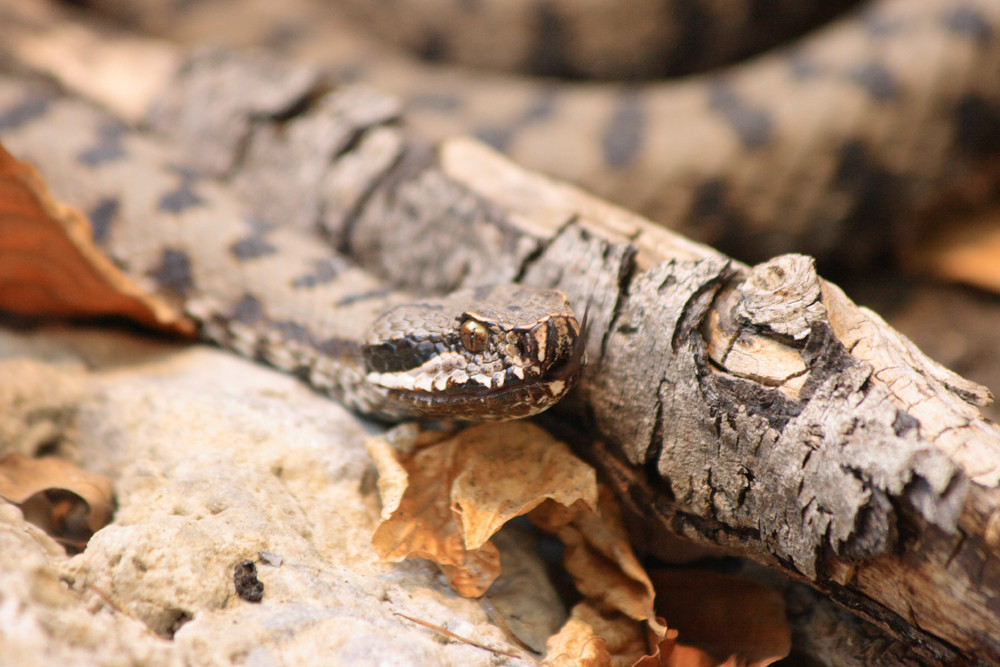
50, 266
662, 647
600, 557
731, 620
445, 500
965, 250
591, 639
69, 503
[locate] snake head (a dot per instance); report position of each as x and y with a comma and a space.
490, 353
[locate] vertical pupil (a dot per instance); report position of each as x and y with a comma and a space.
473, 336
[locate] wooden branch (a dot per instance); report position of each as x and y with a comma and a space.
754, 409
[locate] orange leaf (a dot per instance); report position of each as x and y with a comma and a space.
600, 558
64, 500
445, 500
732, 620
50, 266
592, 639
965, 250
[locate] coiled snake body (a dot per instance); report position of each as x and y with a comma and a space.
834, 145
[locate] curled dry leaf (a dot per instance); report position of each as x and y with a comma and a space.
600, 557
722, 619
69, 503
50, 266
590, 638
443, 501
662, 648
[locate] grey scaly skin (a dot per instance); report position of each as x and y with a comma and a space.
276, 294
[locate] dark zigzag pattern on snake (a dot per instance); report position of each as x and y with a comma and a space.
840, 144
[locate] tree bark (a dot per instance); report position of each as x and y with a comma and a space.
753, 409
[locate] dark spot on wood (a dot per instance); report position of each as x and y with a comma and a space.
877, 80
969, 21
730, 394
904, 423
624, 134
324, 271
514, 307
482, 292
825, 356
248, 310
753, 125
101, 216
977, 126
26, 110
108, 147
173, 273
248, 586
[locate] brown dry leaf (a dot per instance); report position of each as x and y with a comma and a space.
600, 557
445, 500
591, 639
966, 250
68, 502
662, 647
722, 619
50, 266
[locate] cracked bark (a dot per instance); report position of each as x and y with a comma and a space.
756, 410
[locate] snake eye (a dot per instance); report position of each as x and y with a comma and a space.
474, 336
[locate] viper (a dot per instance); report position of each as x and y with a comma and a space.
275, 293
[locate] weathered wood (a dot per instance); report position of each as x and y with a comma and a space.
755, 409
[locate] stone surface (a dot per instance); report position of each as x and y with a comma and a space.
214, 460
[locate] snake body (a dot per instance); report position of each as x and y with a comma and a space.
847, 134
276, 293
844, 143
841, 144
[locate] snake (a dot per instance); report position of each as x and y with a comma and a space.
844, 142
887, 111
277, 294
842, 129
